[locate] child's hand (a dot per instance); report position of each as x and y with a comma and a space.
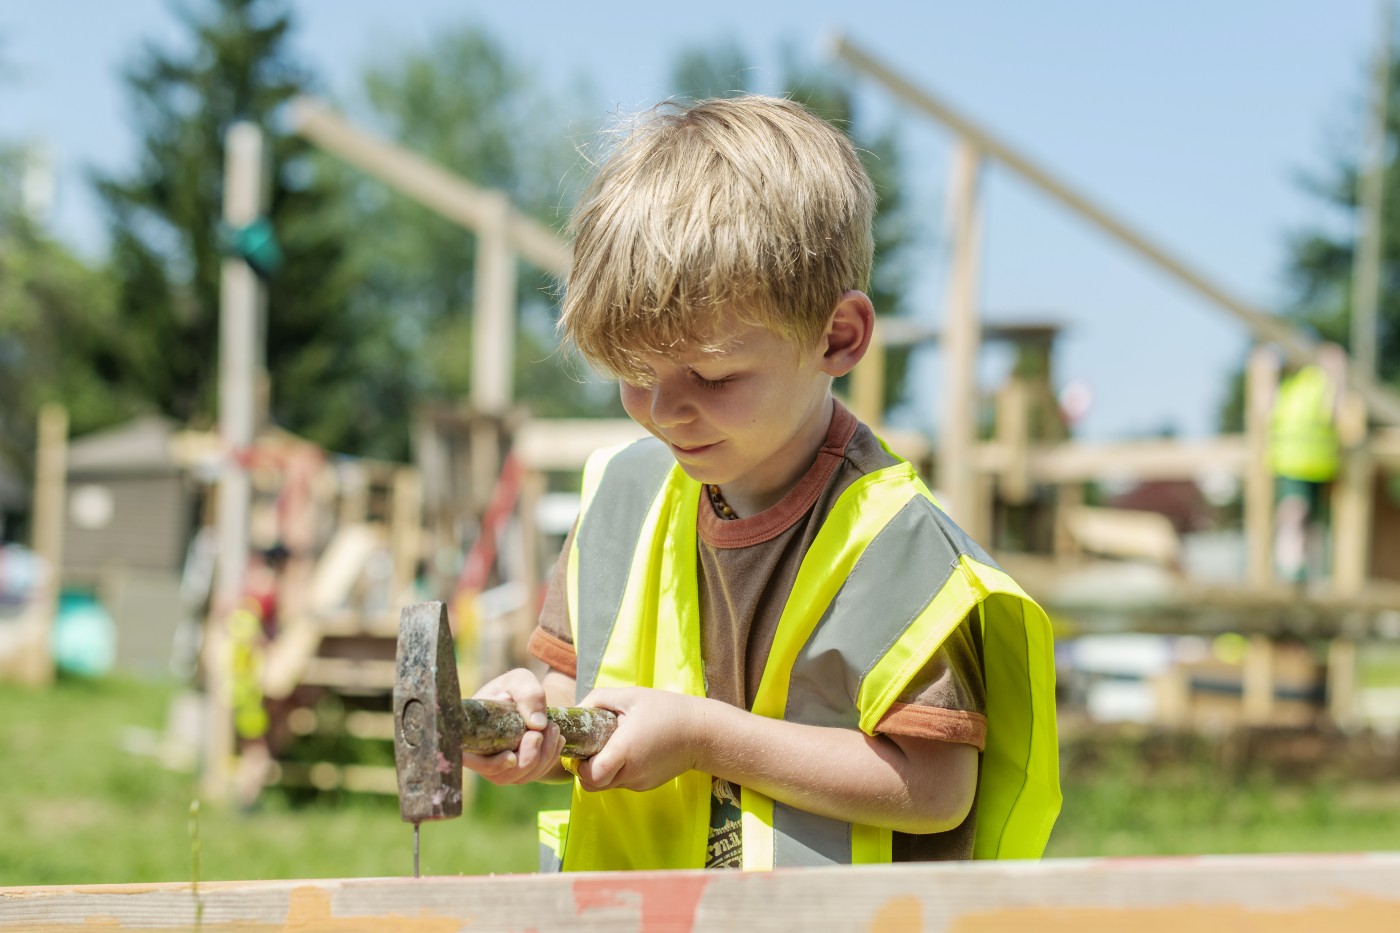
540, 746
659, 736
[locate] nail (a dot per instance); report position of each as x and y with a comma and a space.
539, 720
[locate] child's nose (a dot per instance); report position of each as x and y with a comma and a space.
669, 406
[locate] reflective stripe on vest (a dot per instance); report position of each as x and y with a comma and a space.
887, 578
1302, 437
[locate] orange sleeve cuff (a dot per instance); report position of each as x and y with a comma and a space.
554, 651
930, 722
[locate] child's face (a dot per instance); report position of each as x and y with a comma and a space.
749, 418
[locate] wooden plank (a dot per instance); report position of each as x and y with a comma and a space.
1124, 533
493, 311
349, 673
35, 664
957, 473
1341, 682
563, 444
1082, 461
406, 531
1013, 427
429, 184
1351, 500
1257, 680
1211, 894
1261, 383
867, 388
241, 301
342, 565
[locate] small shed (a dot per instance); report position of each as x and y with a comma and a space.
131, 511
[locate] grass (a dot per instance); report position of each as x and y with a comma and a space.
76, 809
1179, 795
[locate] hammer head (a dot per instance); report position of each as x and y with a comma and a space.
427, 716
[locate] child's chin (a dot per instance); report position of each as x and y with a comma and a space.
696, 473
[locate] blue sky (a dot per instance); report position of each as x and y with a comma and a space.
1191, 120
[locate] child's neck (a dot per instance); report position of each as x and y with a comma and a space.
768, 485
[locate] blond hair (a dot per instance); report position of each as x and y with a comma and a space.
704, 218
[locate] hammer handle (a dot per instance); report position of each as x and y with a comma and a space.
493, 726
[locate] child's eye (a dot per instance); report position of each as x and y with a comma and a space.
704, 383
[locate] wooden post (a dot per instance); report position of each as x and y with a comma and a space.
868, 383
1352, 500
484, 460
957, 476
493, 321
406, 530
1366, 261
1014, 433
1261, 383
1341, 682
240, 365
1069, 496
1258, 680
533, 570
50, 491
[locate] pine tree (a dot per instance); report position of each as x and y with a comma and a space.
1319, 266
55, 312
1320, 258
464, 103
164, 227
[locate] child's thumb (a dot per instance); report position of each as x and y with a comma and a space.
600, 770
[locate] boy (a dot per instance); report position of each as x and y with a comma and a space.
791, 632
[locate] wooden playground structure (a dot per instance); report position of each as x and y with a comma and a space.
485, 465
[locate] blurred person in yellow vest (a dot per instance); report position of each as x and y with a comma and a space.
1304, 456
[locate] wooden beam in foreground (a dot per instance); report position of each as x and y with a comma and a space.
1356, 893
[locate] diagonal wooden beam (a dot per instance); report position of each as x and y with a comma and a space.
1383, 401
428, 183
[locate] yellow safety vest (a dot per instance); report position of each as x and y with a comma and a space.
1302, 435
886, 580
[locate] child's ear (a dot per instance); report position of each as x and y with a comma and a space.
848, 333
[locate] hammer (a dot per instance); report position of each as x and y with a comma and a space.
433, 725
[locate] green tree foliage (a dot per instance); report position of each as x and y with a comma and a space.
464, 104
335, 375
56, 312
723, 71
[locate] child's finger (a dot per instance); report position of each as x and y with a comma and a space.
597, 773
499, 768
531, 750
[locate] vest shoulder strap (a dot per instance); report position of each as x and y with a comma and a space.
620, 487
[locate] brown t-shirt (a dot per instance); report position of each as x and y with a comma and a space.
746, 571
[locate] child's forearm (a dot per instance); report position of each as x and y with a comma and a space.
910, 785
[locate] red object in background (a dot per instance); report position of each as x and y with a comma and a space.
477, 567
